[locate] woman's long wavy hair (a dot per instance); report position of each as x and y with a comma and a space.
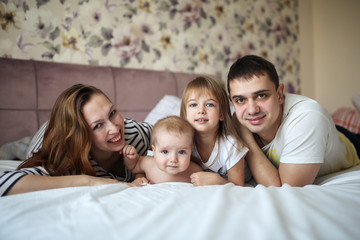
68, 137
207, 85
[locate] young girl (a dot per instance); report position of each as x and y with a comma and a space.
218, 148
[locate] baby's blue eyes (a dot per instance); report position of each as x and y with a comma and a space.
180, 152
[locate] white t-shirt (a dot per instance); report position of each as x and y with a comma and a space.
307, 134
224, 156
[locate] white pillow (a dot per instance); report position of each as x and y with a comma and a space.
168, 105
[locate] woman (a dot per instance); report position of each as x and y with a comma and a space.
81, 145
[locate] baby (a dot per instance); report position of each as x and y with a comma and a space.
172, 143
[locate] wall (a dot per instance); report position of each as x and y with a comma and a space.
306, 48
184, 36
330, 37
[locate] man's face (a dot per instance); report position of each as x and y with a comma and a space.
258, 105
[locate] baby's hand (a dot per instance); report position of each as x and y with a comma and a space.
129, 152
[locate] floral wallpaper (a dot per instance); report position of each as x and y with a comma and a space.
200, 36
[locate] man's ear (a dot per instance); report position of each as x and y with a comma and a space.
280, 92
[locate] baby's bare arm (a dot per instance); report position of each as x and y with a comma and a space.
131, 157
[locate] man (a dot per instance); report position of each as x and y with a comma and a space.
294, 132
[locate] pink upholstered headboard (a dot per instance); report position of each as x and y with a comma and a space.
28, 90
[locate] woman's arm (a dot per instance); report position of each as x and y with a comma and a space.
31, 183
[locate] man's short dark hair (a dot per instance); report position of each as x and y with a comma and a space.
250, 65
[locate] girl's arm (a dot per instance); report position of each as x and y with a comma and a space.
207, 178
236, 174
31, 183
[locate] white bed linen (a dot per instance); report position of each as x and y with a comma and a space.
329, 210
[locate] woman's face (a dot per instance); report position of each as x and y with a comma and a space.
106, 124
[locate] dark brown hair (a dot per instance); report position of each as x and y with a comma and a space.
68, 138
250, 65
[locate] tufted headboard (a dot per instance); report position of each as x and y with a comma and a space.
28, 90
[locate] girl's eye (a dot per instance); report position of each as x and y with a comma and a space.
182, 152
192, 105
164, 151
210, 105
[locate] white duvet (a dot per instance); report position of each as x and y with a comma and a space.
329, 210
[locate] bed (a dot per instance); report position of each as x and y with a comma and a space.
326, 210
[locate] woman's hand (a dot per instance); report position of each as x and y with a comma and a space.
141, 181
97, 181
207, 178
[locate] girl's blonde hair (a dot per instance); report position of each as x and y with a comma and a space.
206, 85
68, 137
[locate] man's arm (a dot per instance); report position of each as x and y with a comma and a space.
265, 173
298, 175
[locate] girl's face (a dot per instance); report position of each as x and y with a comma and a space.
172, 151
203, 111
106, 124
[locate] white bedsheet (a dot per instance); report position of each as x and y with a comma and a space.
329, 210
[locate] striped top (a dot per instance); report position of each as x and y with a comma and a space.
136, 134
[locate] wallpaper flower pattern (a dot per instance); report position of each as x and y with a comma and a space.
201, 36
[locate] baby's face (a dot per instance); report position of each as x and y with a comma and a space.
172, 151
